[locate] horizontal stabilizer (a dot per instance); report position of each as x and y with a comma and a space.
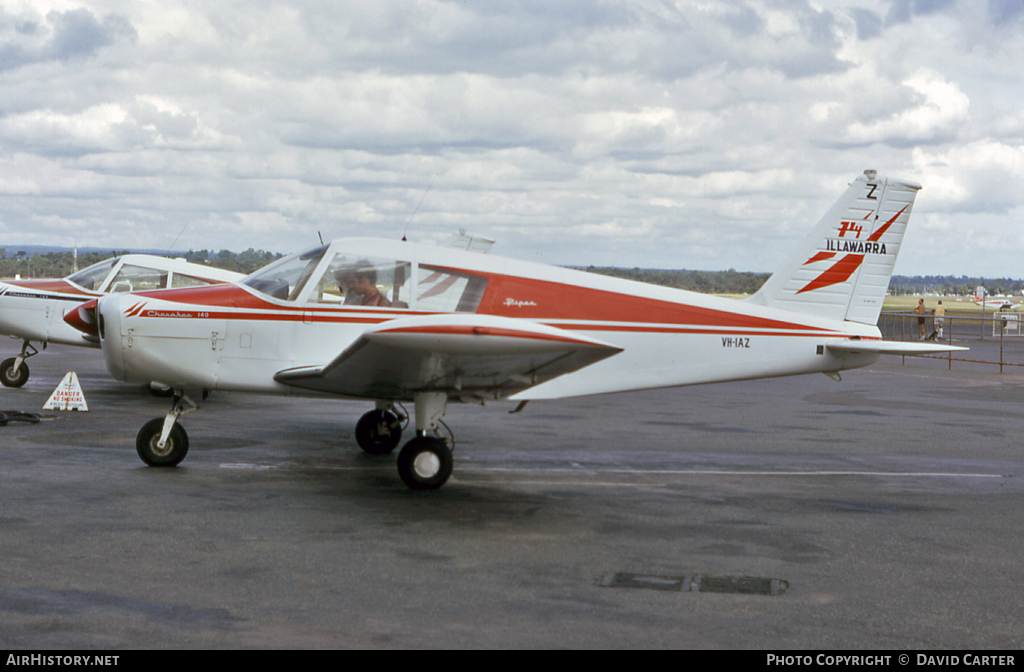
892, 347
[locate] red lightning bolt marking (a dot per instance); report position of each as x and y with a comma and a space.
848, 265
820, 256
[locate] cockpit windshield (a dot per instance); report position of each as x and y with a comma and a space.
92, 278
285, 278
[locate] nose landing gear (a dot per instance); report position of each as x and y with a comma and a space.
14, 371
162, 442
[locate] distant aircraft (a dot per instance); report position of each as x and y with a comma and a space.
33, 310
999, 303
393, 322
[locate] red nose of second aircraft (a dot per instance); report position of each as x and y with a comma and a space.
83, 318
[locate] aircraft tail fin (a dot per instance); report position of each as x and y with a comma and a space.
841, 270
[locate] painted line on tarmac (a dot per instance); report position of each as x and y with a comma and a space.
717, 472
583, 471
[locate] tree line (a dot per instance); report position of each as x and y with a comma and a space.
951, 285
61, 264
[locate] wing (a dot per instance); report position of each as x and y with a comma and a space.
891, 347
472, 357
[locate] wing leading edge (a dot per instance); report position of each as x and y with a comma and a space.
471, 357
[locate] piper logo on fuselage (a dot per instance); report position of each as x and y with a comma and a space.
517, 303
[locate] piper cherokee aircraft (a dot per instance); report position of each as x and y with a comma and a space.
393, 322
33, 310
981, 298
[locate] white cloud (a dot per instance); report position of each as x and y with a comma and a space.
937, 111
684, 133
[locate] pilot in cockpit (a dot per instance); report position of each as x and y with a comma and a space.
360, 286
345, 280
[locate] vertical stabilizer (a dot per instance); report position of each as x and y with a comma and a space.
841, 270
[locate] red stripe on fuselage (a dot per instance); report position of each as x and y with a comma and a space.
51, 285
506, 296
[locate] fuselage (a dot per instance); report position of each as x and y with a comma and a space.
33, 310
237, 337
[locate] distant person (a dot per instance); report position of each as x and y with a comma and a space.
940, 319
921, 312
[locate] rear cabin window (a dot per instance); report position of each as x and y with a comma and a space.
181, 280
443, 290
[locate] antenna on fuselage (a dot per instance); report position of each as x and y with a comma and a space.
321, 237
176, 240
429, 186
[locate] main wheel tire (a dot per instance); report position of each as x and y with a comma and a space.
379, 432
171, 454
11, 379
425, 463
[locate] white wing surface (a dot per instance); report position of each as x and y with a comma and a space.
471, 357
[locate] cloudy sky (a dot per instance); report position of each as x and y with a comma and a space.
657, 133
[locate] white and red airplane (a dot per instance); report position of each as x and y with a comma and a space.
33, 310
985, 300
394, 322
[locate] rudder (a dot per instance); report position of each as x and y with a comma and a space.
841, 270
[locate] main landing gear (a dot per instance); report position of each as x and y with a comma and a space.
14, 371
425, 462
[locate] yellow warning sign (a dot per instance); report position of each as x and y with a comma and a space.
68, 396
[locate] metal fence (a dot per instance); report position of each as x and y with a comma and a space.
996, 339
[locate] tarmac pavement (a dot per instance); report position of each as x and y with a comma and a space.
881, 512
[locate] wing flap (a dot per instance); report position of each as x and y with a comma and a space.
468, 356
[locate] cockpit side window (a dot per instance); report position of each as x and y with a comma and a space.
363, 281
137, 279
92, 278
285, 278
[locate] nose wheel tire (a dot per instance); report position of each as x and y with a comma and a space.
378, 432
425, 463
11, 379
174, 449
